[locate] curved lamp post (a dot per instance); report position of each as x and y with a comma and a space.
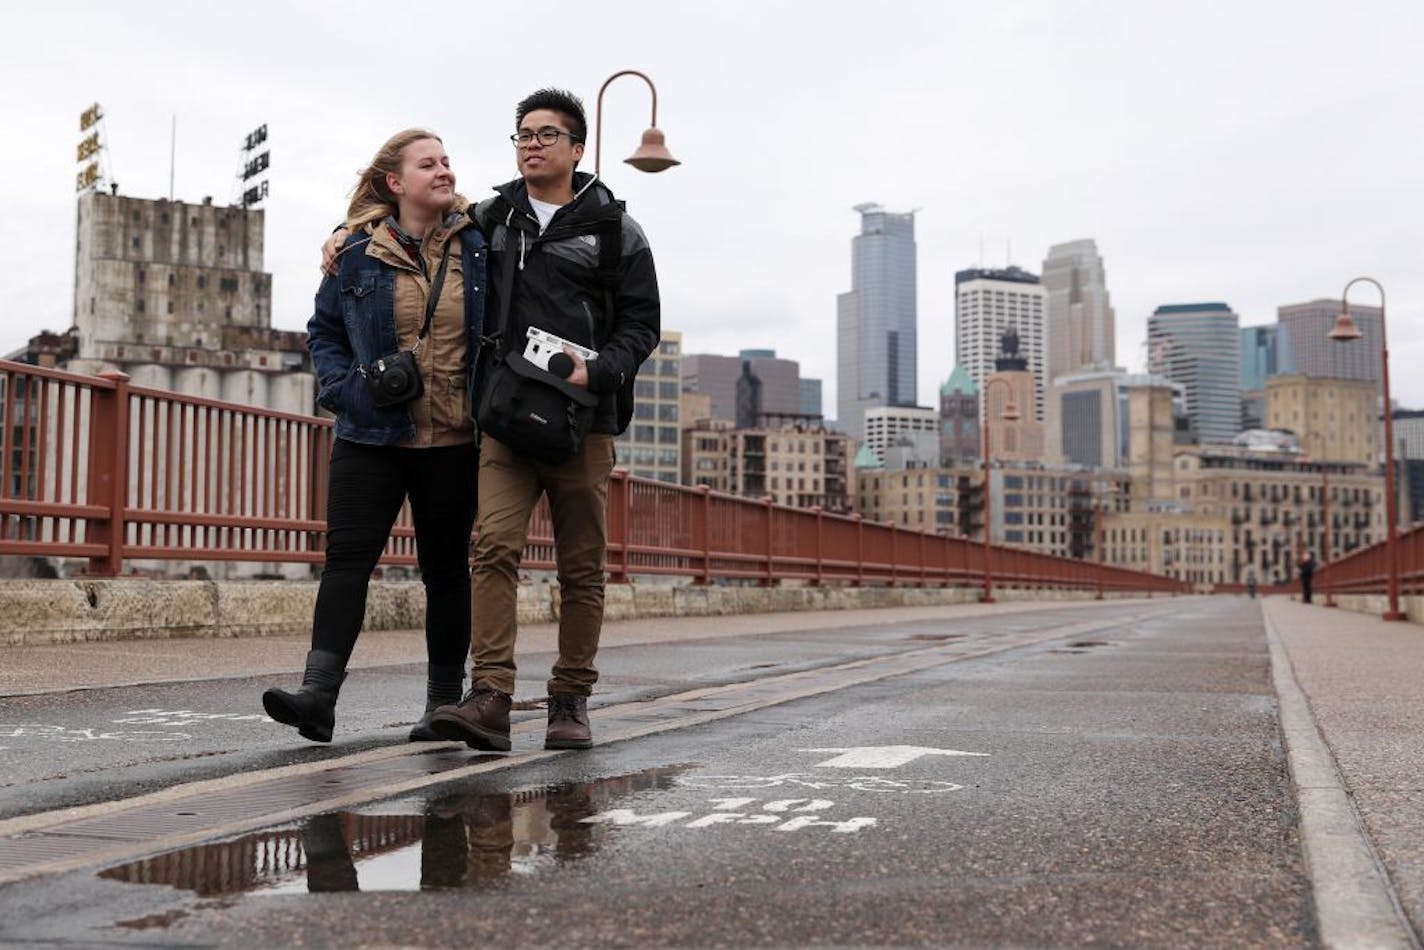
1010, 414
1099, 511
1345, 331
1324, 518
652, 155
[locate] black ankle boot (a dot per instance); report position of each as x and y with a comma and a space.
443, 685
312, 708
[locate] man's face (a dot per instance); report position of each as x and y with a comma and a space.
541, 164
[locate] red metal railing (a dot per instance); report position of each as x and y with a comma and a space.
96, 468
1366, 571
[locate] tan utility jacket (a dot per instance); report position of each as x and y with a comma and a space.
442, 415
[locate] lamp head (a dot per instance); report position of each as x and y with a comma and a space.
1345, 329
652, 155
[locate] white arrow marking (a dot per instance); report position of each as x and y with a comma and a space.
880, 757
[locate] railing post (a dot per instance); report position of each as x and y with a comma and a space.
920, 553
768, 576
894, 552
620, 504
109, 471
705, 520
859, 550
820, 540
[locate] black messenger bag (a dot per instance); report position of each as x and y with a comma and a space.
534, 412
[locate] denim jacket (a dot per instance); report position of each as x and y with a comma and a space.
354, 325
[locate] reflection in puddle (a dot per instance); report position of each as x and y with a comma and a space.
462, 840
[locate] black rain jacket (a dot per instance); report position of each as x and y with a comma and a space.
558, 285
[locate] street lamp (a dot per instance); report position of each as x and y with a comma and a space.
652, 155
1010, 414
1099, 507
1346, 330
1324, 518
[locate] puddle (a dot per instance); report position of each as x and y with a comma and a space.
460, 840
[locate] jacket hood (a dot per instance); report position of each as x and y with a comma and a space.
589, 193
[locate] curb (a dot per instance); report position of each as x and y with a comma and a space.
1355, 903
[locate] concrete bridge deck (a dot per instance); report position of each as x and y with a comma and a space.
1348, 687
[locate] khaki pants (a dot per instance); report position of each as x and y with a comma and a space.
509, 488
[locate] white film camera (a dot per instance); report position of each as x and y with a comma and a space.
541, 345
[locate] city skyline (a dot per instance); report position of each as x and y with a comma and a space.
877, 320
1234, 186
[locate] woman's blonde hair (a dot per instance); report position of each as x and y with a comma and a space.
371, 200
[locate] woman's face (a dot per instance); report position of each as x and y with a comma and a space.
425, 182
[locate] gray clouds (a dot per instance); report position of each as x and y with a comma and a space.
1258, 153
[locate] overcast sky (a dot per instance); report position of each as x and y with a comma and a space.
1256, 152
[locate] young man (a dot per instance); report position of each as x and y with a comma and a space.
549, 236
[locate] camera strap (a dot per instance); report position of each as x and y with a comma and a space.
435, 287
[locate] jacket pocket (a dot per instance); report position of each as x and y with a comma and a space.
358, 284
449, 404
333, 397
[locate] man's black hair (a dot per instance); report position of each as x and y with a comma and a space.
561, 101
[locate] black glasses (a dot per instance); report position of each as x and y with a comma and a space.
548, 135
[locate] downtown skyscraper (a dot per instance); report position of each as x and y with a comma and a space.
876, 319
989, 302
1308, 327
1080, 324
1199, 346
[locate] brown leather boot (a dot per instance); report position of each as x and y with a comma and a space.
480, 720
568, 723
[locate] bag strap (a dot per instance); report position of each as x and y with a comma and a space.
436, 286
506, 291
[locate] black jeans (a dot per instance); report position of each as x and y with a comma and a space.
368, 484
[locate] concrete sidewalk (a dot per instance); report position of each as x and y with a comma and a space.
1356, 744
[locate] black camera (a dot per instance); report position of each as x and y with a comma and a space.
394, 379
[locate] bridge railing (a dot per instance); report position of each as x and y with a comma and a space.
1366, 570
99, 469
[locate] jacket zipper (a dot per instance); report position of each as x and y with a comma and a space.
588, 316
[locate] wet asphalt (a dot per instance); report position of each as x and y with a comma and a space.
1126, 788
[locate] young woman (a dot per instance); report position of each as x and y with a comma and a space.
394, 341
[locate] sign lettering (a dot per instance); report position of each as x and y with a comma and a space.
257, 165
88, 147
255, 138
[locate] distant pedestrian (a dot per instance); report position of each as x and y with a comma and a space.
1306, 567
1251, 584
394, 344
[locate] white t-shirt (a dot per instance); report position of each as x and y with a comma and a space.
543, 211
